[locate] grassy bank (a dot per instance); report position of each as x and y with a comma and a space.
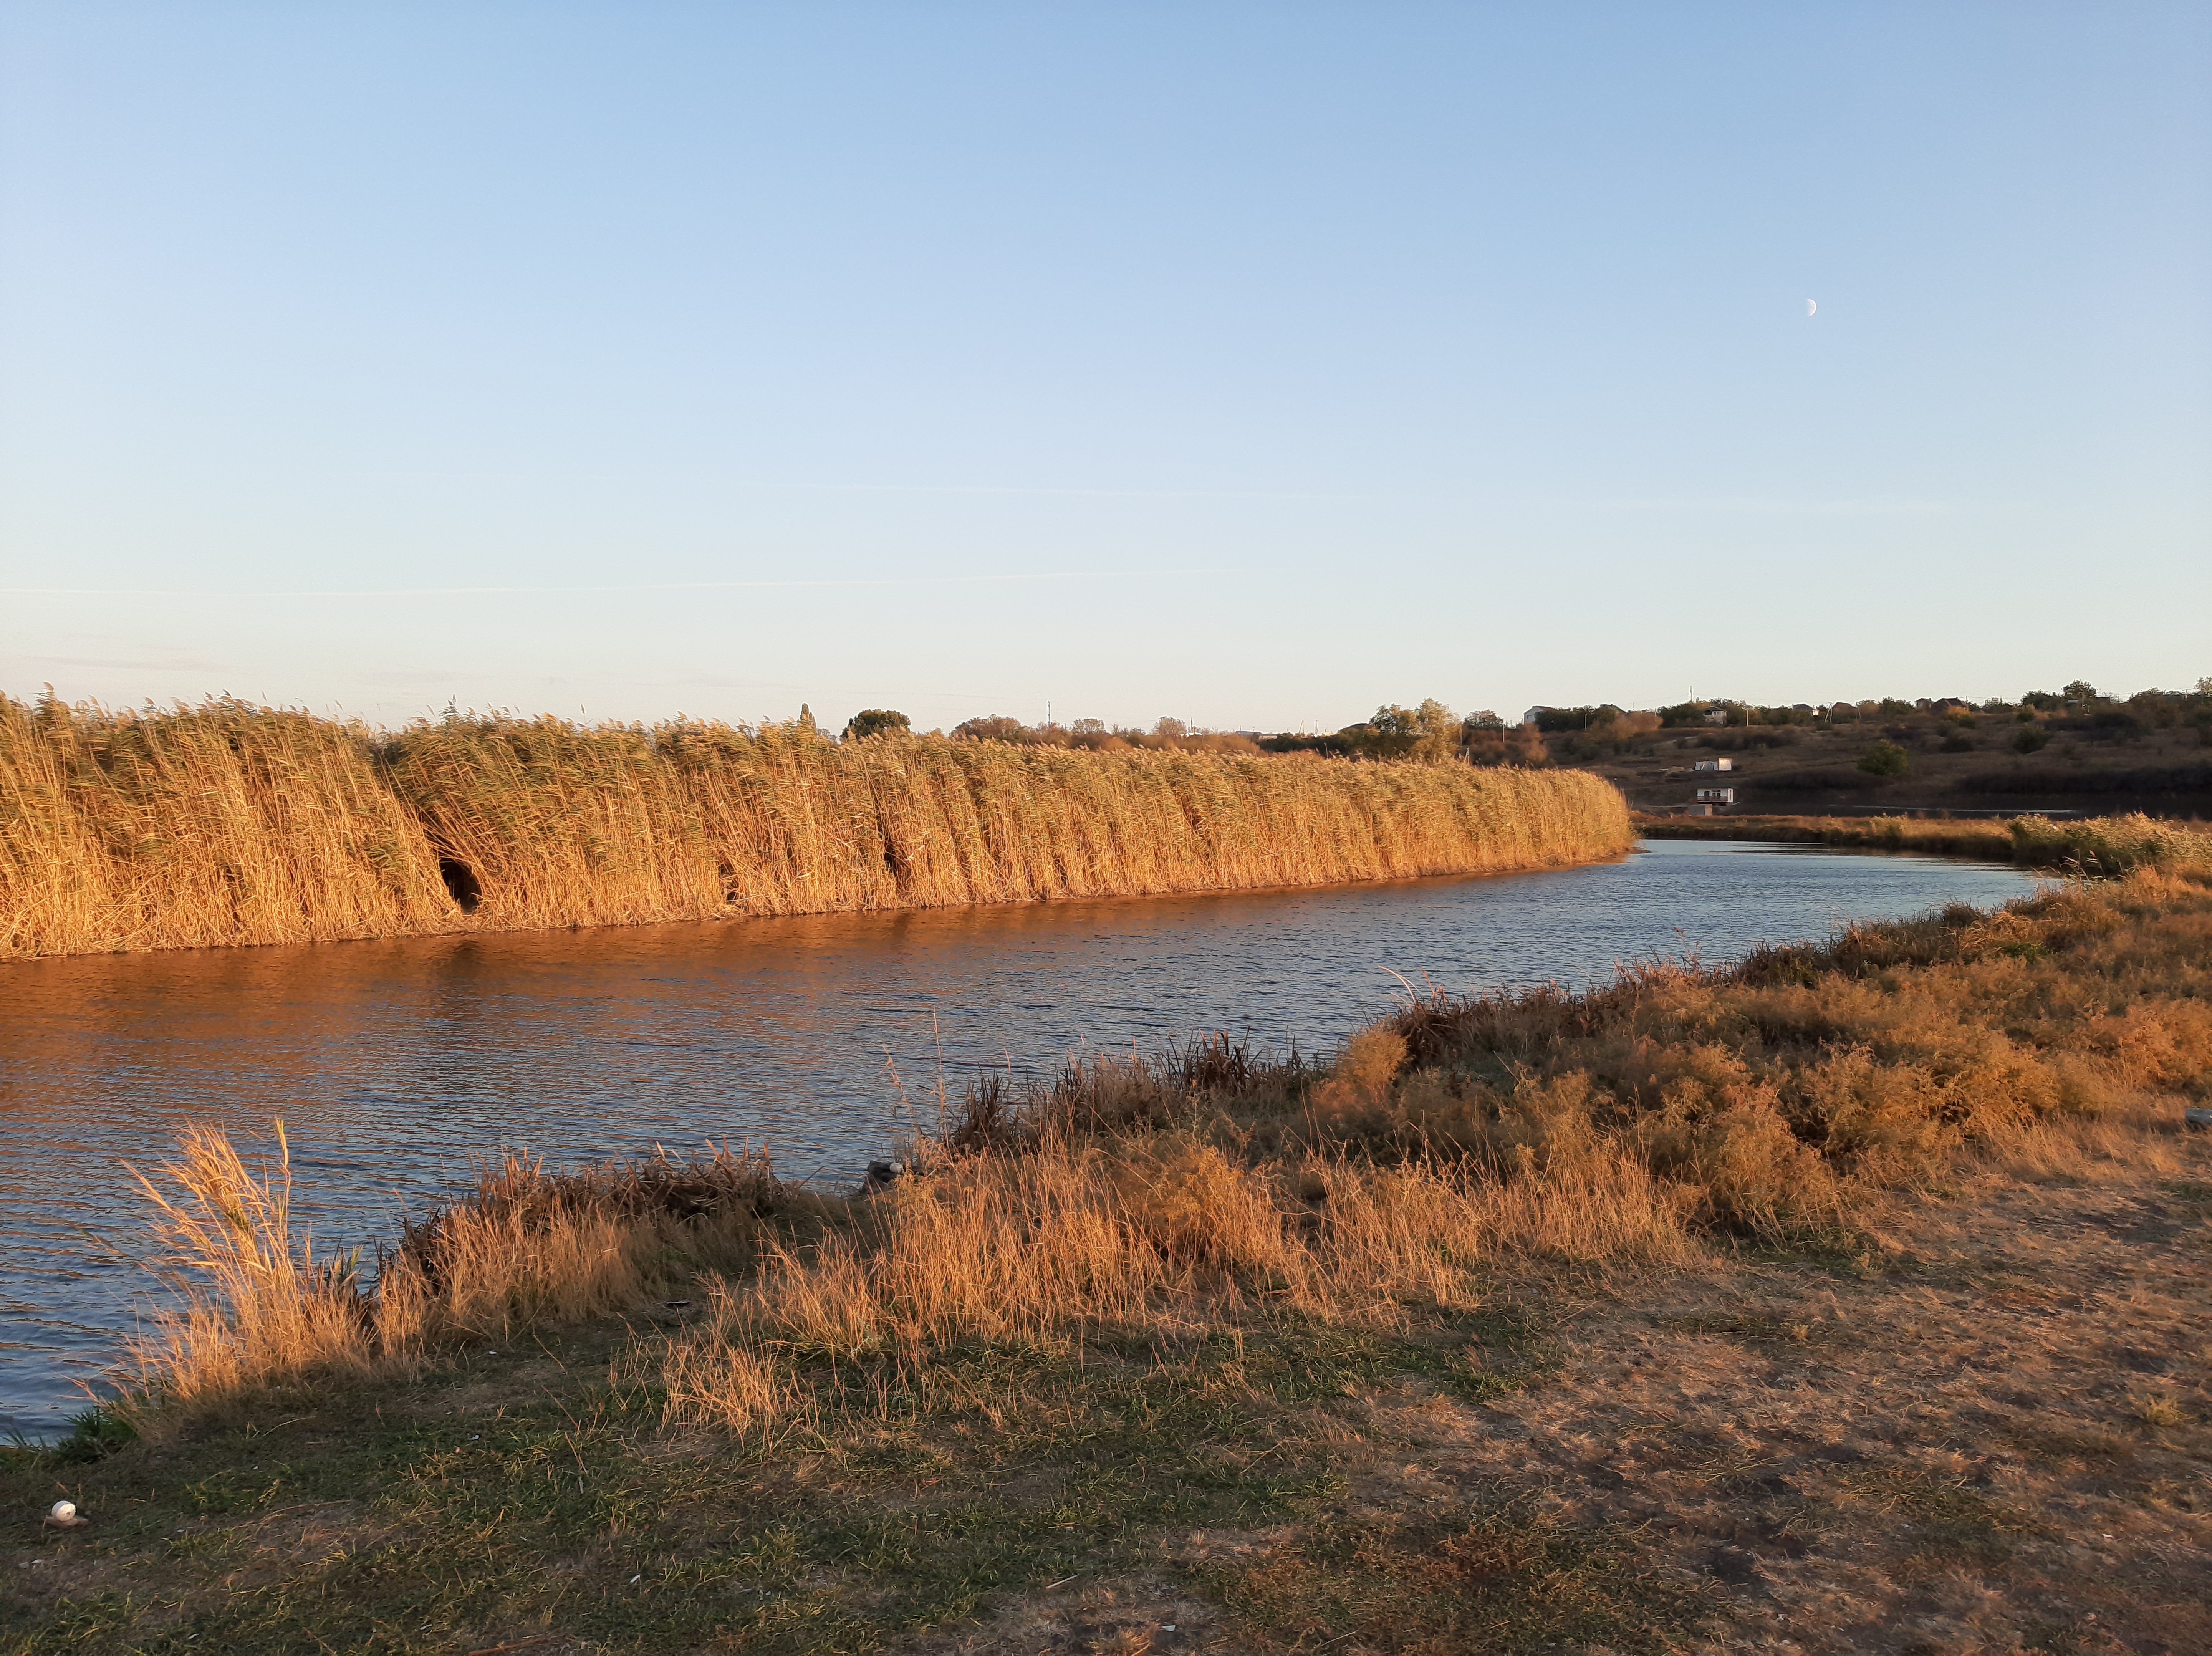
1859, 1288
2098, 846
228, 824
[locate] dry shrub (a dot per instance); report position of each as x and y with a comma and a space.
1353, 1101
1882, 1122
2138, 1137
528, 1247
1780, 1090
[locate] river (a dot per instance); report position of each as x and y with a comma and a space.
821, 1037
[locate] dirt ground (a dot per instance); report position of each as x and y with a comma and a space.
1995, 1440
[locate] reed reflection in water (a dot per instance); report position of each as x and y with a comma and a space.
393, 1063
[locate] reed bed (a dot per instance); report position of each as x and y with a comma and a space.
227, 824
692, 821
224, 823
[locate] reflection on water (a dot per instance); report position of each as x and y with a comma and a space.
391, 1063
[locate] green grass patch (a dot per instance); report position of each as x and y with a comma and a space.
481, 1506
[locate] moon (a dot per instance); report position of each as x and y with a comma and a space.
1810, 307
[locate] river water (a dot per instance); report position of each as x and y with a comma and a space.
821, 1038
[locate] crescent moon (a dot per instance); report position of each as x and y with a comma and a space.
1810, 307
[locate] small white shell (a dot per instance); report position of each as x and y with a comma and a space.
62, 1512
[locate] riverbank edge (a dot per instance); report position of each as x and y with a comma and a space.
2091, 846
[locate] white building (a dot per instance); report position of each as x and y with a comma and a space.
1715, 765
1717, 796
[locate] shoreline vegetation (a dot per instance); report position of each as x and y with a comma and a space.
1467, 1338
229, 823
2090, 847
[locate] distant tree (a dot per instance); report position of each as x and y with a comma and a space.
1521, 744
1885, 759
873, 721
991, 727
2030, 738
2083, 692
1427, 734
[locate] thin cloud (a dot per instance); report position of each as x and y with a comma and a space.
623, 587
135, 664
1754, 505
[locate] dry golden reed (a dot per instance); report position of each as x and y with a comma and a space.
219, 824
251, 1301
229, 824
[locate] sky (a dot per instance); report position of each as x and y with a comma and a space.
1250, 363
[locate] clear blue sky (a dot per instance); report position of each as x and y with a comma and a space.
1253, 364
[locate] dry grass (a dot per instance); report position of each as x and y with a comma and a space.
2096, 846
251, 1304
1161, 1231
229, 824
1775, 1100
252, 1301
